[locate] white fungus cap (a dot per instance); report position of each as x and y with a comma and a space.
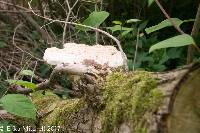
73, 53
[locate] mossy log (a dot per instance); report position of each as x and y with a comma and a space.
133, 102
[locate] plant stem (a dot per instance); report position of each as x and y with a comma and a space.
136, 48
194, 33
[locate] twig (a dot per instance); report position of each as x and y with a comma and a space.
11, 4
136, 49
168, 17
67, 19
4, 115
13, 39
96, 32
34, 70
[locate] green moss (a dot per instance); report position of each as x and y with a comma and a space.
128, 97
55, 111
42, 101
62, 113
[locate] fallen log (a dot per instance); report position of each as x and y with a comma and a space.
112, 100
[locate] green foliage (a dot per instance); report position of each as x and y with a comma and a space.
26, 84
165, 23
27, 73
117, 22
18, 105
133, 21
150, 2
177, 41
94, 20
123, 30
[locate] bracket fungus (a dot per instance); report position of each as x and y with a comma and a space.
81, 58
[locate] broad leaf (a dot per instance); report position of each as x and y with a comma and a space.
94, 20
119, 28
163, 24
22, 83
133, 21
124, 30
27, 72
117, 22
177, 41
19, 105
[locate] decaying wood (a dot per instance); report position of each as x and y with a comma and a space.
170, 84
87, 120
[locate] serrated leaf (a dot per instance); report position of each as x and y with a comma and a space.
27, 72
117, 22
26, 84
163, 24
133, 21
177, 41
94, 20
19, 105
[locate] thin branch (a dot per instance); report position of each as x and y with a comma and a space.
173, 23
67, 19
136, 49
4, 115
13, 39
11, 4
168, 17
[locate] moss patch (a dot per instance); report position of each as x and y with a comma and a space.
55, 111
128, 97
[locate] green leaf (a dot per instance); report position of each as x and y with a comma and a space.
5, 127
143, 25
94, 20
2, 44
19, 105
189, 20
126, 32
133, 21
22, 83
27, 72
119, 28
177, 41
150, 2
163, 24
117, 22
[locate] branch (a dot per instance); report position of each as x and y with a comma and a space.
67, 19
195, 31
168, 17
4, 115
43, 33
174, 24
